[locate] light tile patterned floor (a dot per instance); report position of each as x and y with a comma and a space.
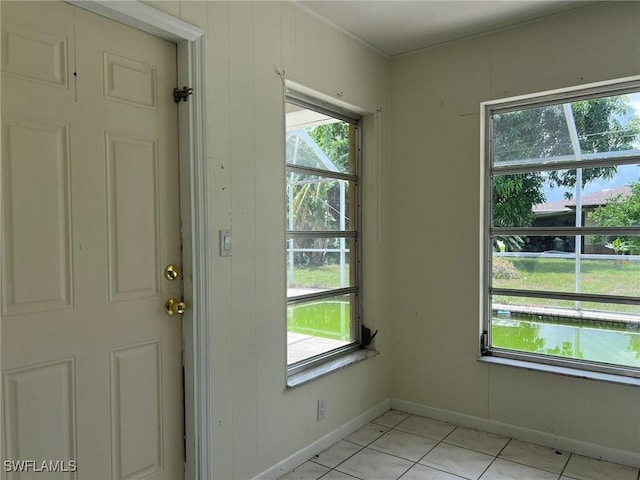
402, 446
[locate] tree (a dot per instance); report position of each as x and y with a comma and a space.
620, 211
333, 139
542, 132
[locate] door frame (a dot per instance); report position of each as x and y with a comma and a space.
195, 219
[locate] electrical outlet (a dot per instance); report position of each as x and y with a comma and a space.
322, 412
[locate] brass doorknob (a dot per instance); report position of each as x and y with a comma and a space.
175, 306
171, 272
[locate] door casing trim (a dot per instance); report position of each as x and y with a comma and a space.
195, 219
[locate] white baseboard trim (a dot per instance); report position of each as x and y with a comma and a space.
580, 447
304, 454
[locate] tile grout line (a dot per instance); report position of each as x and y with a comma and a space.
488, 467
565, 464
350, 456
438, 442
497, 456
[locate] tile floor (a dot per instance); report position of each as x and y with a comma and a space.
402, 446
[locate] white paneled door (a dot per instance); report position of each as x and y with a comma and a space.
91, 362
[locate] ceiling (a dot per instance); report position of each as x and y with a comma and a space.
397, 27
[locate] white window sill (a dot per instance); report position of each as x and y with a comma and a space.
566, 371
300, 378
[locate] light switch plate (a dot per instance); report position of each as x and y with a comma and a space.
226, 243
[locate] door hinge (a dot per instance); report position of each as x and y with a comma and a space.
484, 343
182, 94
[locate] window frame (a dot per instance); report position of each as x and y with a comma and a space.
487, 230
354, 233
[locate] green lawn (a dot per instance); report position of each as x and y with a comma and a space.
325, 276
611, 277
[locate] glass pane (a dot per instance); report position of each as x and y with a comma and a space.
318, 141
531, 135
318, 264
567, 337
549, 263
534, 199
608, 124
318, 203
605, 127
319, 326
612, 200
532, 271
550, 198
543, 307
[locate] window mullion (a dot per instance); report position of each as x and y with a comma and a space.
565, 162
563, 231
585, 297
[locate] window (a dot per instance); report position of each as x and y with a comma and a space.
322, 217
562, 228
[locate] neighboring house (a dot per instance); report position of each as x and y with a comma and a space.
561, 213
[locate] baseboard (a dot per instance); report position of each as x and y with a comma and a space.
580, 447
304, 454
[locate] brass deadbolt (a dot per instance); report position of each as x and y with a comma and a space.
171, 272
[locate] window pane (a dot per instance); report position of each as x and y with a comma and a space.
531, 135
543, 307
318, 141
532, 271
612, 201
318, 264
319, 326
570, 338
549, 198
549, 263
318, 203
534, 199
606, 127
608, 124
610, 198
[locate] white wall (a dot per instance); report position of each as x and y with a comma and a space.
428, 200
258, 421
435, 152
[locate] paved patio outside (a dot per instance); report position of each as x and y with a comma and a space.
301, 347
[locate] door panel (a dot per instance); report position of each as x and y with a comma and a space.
136, 410
132, 211
92, 365
34, 146
34, 55
129, 81
36, 398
